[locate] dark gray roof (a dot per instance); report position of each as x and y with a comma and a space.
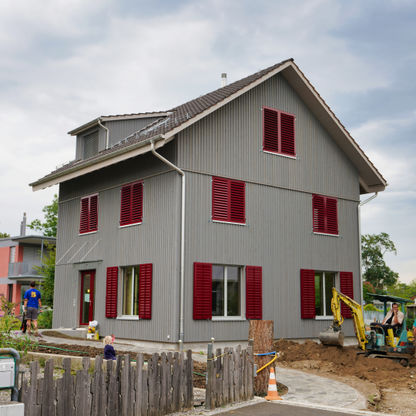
176, 116
173, 120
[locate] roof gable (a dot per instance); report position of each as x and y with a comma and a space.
177, 119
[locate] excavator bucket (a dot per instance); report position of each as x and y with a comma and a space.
331, 337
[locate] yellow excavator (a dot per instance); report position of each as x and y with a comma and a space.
374, 341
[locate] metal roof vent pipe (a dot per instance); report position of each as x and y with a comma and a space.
223, 79
23, 226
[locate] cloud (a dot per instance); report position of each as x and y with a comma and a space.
65, 62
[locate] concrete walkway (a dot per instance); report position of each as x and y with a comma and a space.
311, 389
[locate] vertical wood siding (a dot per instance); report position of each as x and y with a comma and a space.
154, 241
229, 143
119, 129
279, 238
278, 235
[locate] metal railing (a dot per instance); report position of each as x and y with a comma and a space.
23, 269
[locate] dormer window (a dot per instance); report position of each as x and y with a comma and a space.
90, 146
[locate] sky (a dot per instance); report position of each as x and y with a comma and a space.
66, 62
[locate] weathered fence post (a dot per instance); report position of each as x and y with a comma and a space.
209, 396
48, 400
165, 386
250, 375
189, 380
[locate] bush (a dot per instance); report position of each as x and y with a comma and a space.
21, 344
409, 323
371, 307
45, 319
8, 322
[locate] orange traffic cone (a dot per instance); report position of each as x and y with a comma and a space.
272, 393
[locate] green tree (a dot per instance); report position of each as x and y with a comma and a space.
47, 270
4, 235
368, 288
48, 227
376, 271
403, 290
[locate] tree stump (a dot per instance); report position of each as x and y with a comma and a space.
261, 332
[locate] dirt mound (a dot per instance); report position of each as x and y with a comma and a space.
346, 361
345, 364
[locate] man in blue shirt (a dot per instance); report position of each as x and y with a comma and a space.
32, 303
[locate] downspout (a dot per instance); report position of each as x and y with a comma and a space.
107, 134
182, 254
359, 243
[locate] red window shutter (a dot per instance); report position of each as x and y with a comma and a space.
228, 200
219, 199
307, 294
331, 216
254, 292
125, 210
270, 130
287, 133
145, 291
325, 214
202, 291
131, 209
83, 224
237, 202
111, 292
347, 288
93, 223
137, 202
318, 213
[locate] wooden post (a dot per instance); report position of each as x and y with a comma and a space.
189, 380
48, 399
250, 379
176, 382
209, 393
139, 385
262, 334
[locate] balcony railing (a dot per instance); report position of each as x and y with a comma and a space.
23, 269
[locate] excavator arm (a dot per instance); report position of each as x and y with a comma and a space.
334, 334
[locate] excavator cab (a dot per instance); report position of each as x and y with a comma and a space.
391, 340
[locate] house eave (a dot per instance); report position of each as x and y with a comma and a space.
366, 170
99, 163
289, 70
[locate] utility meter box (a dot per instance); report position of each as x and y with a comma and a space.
7, 372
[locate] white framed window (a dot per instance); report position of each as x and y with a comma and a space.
130, 291
324, 282
12, 254
226, 291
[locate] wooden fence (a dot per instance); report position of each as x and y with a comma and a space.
162, 385
230, 376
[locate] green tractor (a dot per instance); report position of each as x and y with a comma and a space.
373, 340
396, 345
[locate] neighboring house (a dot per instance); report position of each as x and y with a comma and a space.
184, 225
19, 258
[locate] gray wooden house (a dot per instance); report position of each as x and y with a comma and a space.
183, 225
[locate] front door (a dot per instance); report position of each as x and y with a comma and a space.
87, 297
